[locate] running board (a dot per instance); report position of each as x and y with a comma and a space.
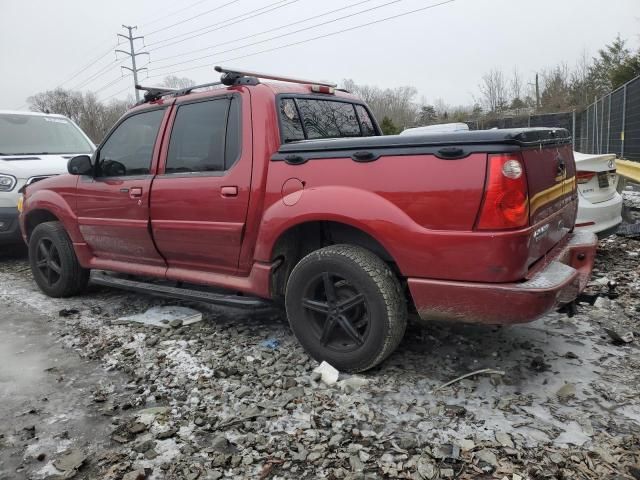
99, 277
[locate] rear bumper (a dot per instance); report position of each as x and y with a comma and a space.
599, 217
9, 226
553, 281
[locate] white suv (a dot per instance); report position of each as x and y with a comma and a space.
32, 146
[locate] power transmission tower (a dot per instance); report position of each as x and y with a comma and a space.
133, 54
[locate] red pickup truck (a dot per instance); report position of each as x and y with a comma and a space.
287, 191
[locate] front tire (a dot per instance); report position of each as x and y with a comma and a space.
346, 306
54, 264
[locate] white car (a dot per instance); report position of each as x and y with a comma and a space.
32, 146
599, 203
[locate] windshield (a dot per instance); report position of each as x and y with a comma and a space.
39, 135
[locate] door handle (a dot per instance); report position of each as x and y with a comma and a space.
229, 191
135, 192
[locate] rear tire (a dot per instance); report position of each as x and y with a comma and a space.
54, 264
346, 307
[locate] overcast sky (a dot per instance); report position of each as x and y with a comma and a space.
443, 51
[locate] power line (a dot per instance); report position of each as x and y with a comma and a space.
171, 14
366, 10
95, 75
265, 31
208, 65
191, 18
255, 13
111, 83
89, 65
119, 92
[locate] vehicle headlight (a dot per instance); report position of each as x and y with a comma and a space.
7, 182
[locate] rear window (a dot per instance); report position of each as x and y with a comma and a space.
40, 135
306, 118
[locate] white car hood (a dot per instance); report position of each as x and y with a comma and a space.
27, 166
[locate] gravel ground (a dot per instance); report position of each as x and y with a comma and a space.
235, 396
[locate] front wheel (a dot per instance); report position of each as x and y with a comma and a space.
346, 306
54, 264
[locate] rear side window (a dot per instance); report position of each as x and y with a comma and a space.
368, 130
306, 118
205, 137
290, 121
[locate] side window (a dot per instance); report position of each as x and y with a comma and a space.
129, 149
326, 119
290, 121
368, 130
198, 137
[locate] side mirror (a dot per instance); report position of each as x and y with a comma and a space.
80, 165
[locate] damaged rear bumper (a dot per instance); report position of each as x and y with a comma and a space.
556, 279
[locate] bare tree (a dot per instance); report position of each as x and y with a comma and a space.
395, 103
556, 89
94, 117
173, 81
494, 91
64, 102
517, 101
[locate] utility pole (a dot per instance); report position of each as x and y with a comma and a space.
537, 85
132, 53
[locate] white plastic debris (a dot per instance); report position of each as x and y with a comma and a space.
165, 317
328, 373
352, 384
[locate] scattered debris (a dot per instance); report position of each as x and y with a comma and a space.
164, 317
566, 392
235, 396
270, 343
69, 461
486, 456
352, 384
504, 439
484, 371
328, 374
619, 339
539, 365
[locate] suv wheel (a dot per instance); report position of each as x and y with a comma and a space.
54, 264
345, 306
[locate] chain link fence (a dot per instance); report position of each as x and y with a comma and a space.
612, 124
560, 120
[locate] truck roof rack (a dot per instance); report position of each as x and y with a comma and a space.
229, 77
234, 77
155, 93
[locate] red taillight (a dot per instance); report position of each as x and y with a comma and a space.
505, 203
584, 177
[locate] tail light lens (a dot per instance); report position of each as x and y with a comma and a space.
506, 202
584, 177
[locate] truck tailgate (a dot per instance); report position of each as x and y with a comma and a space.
552, 195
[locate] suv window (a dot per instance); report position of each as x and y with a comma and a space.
205, 137
306, 118
24, 134
129, 149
